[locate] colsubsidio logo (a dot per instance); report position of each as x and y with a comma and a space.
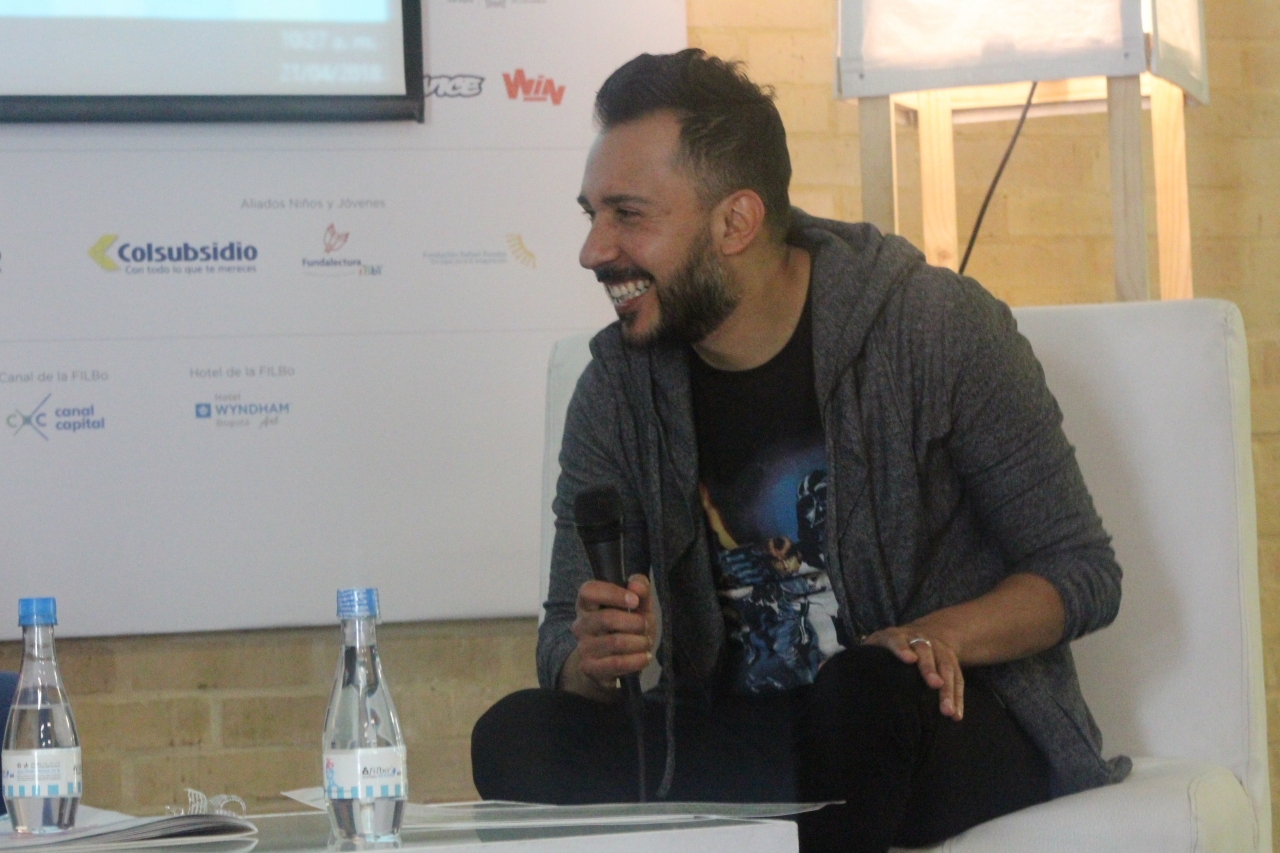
71, 419
519, 85
453, 85
155, 253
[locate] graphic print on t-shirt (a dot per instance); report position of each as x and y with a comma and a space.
767, 531
762, 471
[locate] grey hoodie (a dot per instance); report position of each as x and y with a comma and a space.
947, 471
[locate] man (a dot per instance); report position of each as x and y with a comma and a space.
847, 484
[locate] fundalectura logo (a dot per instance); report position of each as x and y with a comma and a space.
331, 264
453, 85
333, 241
523, 87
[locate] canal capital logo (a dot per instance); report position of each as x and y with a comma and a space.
44, 418
36, 419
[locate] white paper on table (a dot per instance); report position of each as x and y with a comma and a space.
499, 814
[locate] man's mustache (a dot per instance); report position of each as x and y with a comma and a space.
617, 274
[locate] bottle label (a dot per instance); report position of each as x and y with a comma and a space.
362, 774
41, 772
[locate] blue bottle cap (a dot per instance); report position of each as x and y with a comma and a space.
356, 603
37, 611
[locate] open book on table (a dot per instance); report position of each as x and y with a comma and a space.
498, 814
97, 829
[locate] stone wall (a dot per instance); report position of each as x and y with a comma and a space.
243, 712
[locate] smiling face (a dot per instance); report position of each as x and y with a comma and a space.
650, 241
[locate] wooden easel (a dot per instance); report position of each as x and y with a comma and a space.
934, 114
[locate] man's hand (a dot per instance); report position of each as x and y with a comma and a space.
616, 630
1020, 616
936, 658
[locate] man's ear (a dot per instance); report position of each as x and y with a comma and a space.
737, 221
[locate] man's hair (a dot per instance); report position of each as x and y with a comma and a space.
731, 136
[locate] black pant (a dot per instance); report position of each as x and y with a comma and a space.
868, 732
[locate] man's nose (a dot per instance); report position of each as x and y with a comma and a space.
599, 248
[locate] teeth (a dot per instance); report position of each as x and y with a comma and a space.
620, 293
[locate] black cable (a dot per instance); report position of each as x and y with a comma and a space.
637, 723
994, 181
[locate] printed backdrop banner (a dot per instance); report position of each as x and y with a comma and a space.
244, 365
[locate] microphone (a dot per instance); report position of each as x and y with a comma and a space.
597, 513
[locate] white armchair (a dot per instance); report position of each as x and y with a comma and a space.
1156, 402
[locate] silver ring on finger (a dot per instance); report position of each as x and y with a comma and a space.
915, 640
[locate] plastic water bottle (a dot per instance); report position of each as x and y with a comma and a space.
40, 764
364, 755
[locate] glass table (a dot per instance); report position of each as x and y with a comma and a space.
309, 831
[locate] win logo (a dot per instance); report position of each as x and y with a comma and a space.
521, 86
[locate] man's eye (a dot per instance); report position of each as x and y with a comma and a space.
627, 213
590, 214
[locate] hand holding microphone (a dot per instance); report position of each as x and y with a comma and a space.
615, 626
614, 629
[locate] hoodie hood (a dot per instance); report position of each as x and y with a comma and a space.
848, 252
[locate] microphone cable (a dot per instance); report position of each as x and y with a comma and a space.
999, 171
598, 517
635, 710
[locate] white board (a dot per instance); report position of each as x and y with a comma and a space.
356, 396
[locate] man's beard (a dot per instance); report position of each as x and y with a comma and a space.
692, 304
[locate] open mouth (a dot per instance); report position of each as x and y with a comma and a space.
624, 291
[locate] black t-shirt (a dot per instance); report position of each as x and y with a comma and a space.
762, 471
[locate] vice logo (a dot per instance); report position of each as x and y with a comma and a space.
521, 86
453, 86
